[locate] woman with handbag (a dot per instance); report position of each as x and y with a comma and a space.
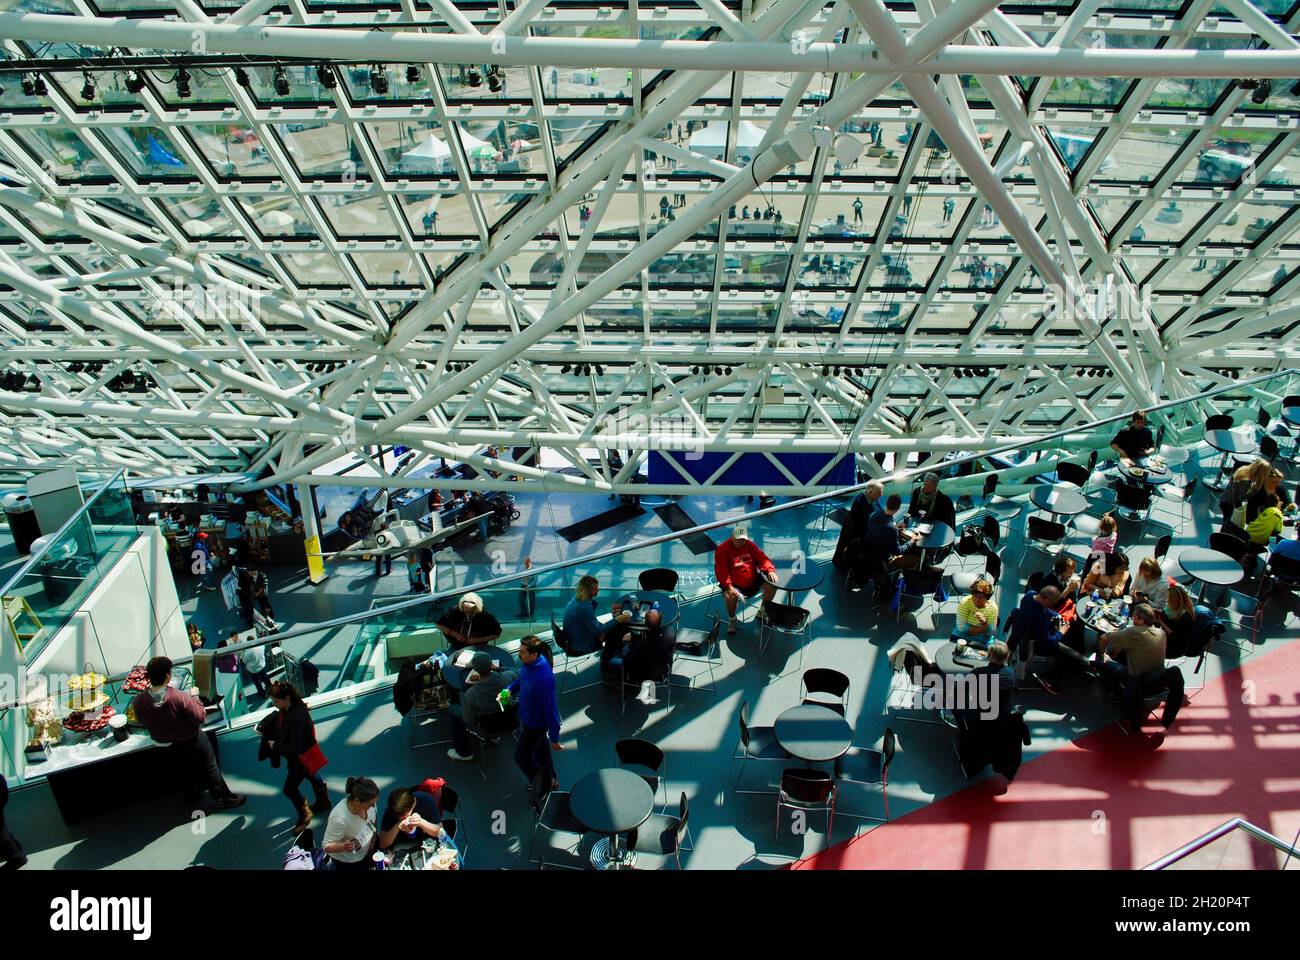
1246, 482
294, 738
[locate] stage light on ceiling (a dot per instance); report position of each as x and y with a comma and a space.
378, 80
183, 84
472, 78
325, 75
88, 87
241, 76
412, 73
494, 79
281, 82
135, 82
1262, 92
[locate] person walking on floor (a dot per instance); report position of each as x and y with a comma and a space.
539, 712
177, 719
262, 594
290, 734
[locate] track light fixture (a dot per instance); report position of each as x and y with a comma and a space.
472, 77
241, 76
494, 79
135, 83
1262, 91
1295, 89
566, 368
600, 371
281, 82
29, 85
183, 83
88, 87
412, 73
378, 80
325, 75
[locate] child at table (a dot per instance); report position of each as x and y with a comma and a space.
1107, 538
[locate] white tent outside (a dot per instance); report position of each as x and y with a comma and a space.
430, 154
712, 140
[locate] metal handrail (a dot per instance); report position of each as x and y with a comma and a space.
58, 534
895, 477
1222, 830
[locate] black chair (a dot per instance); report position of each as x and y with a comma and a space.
807, 790
1283, 571
1162, 546
661, 836
495, 727
784, 619
1133, 503
1219, 421
635, 752
864, 765
992, 532
919, 586
1042, 534
821, 683
449, 801
565, 643
660, 578
1268, 448
756, 743
664, 678
1236, 547
1184, 498
1143, 694
912, 668
963, 580
555, 816
701, 646
1075, 473
1004, 509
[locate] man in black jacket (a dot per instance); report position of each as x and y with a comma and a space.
11, 851
930, 505
642, 655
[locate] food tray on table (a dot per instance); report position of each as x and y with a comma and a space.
81, 723
137, 681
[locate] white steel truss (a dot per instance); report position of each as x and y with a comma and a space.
729, 226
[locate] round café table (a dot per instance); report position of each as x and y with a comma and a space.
1210, 567
803, 581
1149, 474
456, 676
945, 658
940, 536
611, 801
813, 733
1230, 444
638, 604
1059, 500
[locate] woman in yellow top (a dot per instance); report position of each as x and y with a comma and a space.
1267, 523
977, 615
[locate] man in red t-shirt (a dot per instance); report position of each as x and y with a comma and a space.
741, 569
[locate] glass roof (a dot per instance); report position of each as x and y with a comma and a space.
272, 257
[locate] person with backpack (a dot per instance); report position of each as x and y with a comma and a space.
290, 734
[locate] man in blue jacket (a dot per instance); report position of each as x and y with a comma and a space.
539, 713
1036, 623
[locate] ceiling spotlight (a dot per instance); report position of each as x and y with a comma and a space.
566, 368
325, 74
135, 82
412, 73
472, 78
727, 371
494, 79
87, 88
281, 82
241, 76
41, 89
1262, 92
1295, 89
74, 368
378, 80
600, 371
183, 83
29, 85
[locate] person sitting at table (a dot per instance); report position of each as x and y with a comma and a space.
637, 656
999, 667
1177, 619
415, 580
350, 831
1259, 500
586, 631
930, 505
1136, 649
1246, 483
1039, 625
742, 570
849, 547
977, 614
1109, 576
1135, 441
1063, 578
1107, 538
195, 635
484, 683
888, 544
1266, 525
1150, 585
412, 815
468, 624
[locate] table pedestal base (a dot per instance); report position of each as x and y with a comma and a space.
604, 857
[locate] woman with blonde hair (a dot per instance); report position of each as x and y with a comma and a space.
1246, 482
586, 631
1150, 585
1178, 619
977, 614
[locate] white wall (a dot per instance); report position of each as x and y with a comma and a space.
133, 614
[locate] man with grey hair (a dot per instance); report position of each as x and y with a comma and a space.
930, 505
849, 549
1132, 650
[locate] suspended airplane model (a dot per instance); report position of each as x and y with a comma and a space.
366, 521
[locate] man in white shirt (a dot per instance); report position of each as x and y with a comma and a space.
253, 663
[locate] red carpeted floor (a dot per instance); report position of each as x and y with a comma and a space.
1109, 801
